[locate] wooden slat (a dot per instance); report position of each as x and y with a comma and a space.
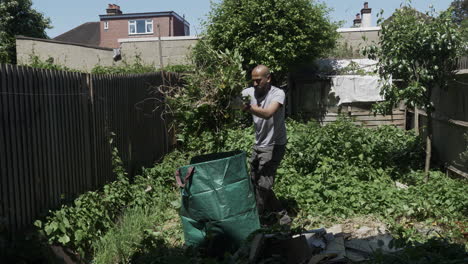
80, 135
26, 134
52, 154
363, 113
5, 150
90, 79
15, 173
37, 141
86, 134
44, 126
3, 172
73, 135
54, 135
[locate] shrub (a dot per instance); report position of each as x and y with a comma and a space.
277, 33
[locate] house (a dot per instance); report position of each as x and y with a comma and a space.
362, 32
116, 25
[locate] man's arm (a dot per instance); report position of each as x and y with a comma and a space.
265, 113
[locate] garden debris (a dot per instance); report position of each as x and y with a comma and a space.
256, 247
319, 246
361, 249
400, 185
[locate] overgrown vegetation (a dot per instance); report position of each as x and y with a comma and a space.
459, 10
422, 50
329, 174
17, 17
276, 33
79, 225
202, 101
125, 68
48, 64
137, 67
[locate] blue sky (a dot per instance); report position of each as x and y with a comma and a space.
67, 14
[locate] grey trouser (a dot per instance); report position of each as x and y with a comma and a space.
263, 164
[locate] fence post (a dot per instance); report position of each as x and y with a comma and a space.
416, 121
92, 181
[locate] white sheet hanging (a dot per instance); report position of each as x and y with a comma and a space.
356, 88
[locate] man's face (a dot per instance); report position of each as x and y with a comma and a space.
261, 81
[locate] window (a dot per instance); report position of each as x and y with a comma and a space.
106, 25
142, 26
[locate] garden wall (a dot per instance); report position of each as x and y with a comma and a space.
74, 56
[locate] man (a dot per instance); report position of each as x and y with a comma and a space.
267, 108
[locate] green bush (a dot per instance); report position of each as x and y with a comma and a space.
344, 170
332, 172
126, 68
278, 33
92, 214
202, 102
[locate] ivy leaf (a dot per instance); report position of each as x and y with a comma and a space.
64, 239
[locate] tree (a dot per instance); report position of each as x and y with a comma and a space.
277, 33
421, 50
460, 16
18, 18
459, 11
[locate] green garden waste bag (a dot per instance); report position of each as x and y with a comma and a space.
218, 200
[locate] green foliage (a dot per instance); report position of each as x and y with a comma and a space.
464, 154
202, 102
136, 67
92, 214
420, 49
343, 51
137, 230
459, 10
276, 33
36, 62
332, 172
18, 18
179, 68
343, 170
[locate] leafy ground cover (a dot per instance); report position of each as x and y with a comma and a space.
329, 175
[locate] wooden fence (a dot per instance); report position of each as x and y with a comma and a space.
54, 135
463, 63
449, 126
310, 98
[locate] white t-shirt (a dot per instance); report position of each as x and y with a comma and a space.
272, 131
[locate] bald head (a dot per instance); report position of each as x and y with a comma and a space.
261, 79
261, 70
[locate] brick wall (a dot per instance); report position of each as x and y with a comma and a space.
118, 28
178, 29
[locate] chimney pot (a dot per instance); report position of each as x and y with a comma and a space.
366, 15
113, 9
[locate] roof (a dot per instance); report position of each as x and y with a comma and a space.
143, 15
87, 34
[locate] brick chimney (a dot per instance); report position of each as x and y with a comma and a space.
357, 21
366, 15
113, 9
